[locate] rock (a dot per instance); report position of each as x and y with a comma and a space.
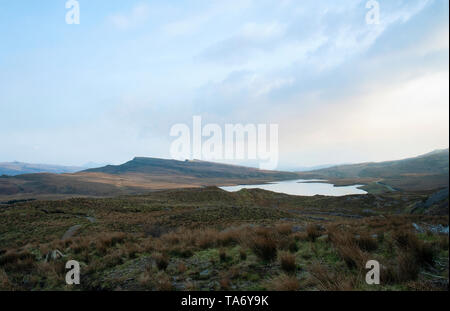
418, 228
437, 197
439, 229
53, 255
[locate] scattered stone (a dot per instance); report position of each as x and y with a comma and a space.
438, 229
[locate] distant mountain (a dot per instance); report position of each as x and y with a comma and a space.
428, 171
18, 168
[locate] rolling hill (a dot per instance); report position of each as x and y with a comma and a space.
141, 175
195, 168
136, 176
425, 172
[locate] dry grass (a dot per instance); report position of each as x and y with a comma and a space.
422, 251
264, 244
367, 243
181, 268
329, 280
443, 243
146, 280
229, 237
109, 240
223, 255
292, 246
207, 238
17, 261
287, 262
14, 256
407, 267
242, 254
283, 229
225, 282
348, 249
352, 256
283, 283
163, 283
313, 232
161, 260
154, 230
4, 281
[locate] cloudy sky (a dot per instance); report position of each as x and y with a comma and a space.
111, 88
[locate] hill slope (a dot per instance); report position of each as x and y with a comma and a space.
425, 172
198, 169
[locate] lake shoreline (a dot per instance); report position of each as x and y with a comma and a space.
302, 187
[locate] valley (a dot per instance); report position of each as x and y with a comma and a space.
153, 224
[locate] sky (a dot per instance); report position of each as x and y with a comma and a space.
111, 87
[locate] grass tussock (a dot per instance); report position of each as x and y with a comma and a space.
161, 261
287, 262
327, 280
367, 243
313, 232
422, 251
264, 244
17, 261
348, 249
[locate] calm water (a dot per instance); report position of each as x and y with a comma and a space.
301, 187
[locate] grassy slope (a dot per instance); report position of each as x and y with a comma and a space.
426, 172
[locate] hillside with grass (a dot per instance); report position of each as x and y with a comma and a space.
195, 168
210, 239
425, 172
